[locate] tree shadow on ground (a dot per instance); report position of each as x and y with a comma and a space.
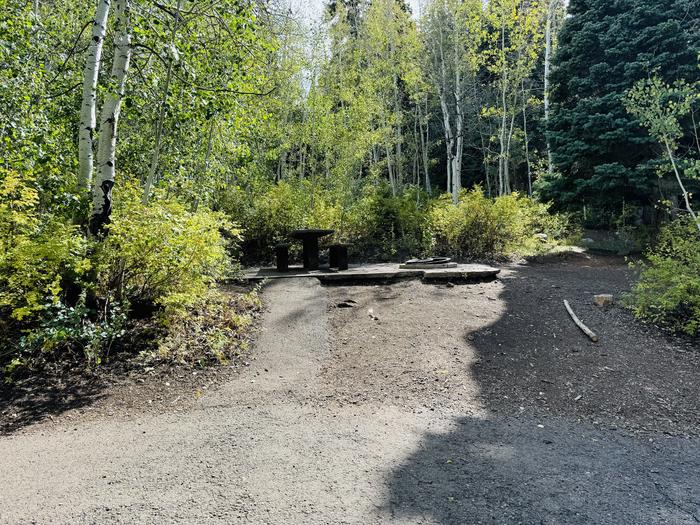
549, 450
47, 393
512, 471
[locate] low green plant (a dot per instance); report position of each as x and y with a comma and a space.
215, 330
668, 291
64, 329
162, 254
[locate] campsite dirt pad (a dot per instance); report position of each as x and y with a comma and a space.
404, 403
508, 346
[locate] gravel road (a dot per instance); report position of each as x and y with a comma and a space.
284, 442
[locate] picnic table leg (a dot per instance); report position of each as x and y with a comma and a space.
311, 253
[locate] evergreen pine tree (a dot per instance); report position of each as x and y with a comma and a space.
602, 156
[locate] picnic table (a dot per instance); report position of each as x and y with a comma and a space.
310, 239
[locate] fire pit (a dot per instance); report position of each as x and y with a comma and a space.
428, 263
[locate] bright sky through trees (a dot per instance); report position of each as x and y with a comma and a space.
313, 9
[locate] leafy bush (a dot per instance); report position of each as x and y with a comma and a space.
40, 254
61, 293
668, 292
480, 227
65, 329
369, 218
379, 225
162, 254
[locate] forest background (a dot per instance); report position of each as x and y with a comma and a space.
147, 149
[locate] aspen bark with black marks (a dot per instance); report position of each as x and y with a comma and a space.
88, 111
107, 145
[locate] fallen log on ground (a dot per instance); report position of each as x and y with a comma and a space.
580, 324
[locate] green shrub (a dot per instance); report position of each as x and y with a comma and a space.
162, 253
668, 291
367, 217
39, 253
66, 329
480, 227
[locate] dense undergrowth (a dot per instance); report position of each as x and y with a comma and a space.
668, 291
380, 226
149, 286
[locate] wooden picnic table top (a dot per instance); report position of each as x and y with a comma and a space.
310, 233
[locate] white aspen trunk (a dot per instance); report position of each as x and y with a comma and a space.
150, 179
502, 167
449, 141
416, 147
398, 131
109, 120
487, 170
390, 167
425, 141
457, 169
527, 144
88, 111
506, 164
686, 195
447, 125
547, 67
502, 163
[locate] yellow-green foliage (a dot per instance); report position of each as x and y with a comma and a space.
38, 252
369, 218
216, 329
668, 292
162, 253
481, 227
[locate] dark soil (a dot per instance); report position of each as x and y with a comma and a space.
122, 386
509, 347
505, 347
119, 390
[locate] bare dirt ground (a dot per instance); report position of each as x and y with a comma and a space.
509, 347
410, 403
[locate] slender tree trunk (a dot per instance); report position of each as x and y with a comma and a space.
686, 195
425, 141
502, 161
88, 112
390, 168
506, 165
447, 125
109, 120
150, 179
457, 169
449, 140
457, 162
416, 147
399, 133
527, 144
547, 67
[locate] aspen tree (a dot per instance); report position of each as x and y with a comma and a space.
88, 112
107, 145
